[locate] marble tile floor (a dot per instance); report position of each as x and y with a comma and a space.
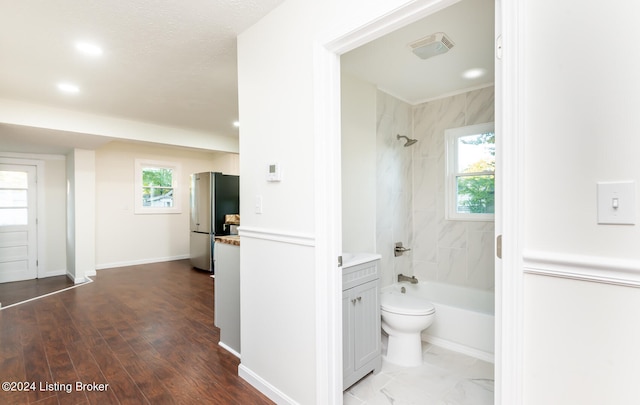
445, 378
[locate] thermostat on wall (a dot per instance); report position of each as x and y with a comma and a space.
273, 172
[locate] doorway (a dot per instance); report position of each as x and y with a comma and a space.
18, 223
509, 189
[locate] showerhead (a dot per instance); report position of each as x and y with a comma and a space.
409, 140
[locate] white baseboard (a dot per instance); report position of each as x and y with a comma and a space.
77, 280
264, 387
456, 347
140, 261
229, 349
53, 273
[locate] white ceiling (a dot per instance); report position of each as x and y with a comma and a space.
389, 63
167, 62
173, 63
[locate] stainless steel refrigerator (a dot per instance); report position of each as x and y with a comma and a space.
213, 195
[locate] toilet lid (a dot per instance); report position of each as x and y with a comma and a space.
406, 304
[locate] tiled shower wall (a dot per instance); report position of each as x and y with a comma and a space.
394, 185
454, 252
410, 193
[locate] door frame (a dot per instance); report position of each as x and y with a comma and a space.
509, 200
40, 206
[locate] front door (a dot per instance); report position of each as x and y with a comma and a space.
18, 241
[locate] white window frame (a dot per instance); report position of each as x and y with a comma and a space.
451, 189
140, 165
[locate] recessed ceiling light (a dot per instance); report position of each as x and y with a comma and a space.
236, 124
88, 48
68, 88
474, 73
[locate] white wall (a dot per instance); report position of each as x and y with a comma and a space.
358, 165
582, 342
277, 126
581, 117
124, 238
581, 122
55, 215
81, 214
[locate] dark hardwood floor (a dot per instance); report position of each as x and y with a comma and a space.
147, 331
18, 291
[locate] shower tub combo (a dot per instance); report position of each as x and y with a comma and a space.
464, 320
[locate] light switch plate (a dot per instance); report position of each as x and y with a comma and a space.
617, 203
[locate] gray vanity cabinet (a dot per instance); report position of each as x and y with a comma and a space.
360, 322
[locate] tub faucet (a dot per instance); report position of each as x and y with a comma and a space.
412, 279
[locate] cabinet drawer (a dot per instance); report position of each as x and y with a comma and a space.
358, 274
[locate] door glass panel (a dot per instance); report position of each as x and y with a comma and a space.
13, 198
13, 216
9, 179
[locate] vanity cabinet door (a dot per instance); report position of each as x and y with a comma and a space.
360, 331
367, 323
348, 354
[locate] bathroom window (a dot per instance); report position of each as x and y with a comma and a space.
156, 187
470, 176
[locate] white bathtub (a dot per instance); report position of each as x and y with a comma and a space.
464, 317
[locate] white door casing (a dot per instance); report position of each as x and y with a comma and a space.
18, 222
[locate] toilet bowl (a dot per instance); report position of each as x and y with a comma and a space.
404, 316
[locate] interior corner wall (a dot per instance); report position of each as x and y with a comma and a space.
580, 127
71, 216
124, 238
55, 215
358, 165
80, 214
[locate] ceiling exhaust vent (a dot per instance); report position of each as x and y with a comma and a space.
432, 45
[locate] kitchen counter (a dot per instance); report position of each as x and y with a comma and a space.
229, 239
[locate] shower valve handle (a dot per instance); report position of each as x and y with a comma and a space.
399, 249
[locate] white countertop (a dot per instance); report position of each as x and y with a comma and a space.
354, 259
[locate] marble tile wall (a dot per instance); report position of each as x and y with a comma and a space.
454, 252
394, 188
410, 193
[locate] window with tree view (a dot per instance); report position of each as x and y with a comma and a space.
156, 187
471, 161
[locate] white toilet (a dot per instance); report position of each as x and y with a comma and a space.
404, 316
